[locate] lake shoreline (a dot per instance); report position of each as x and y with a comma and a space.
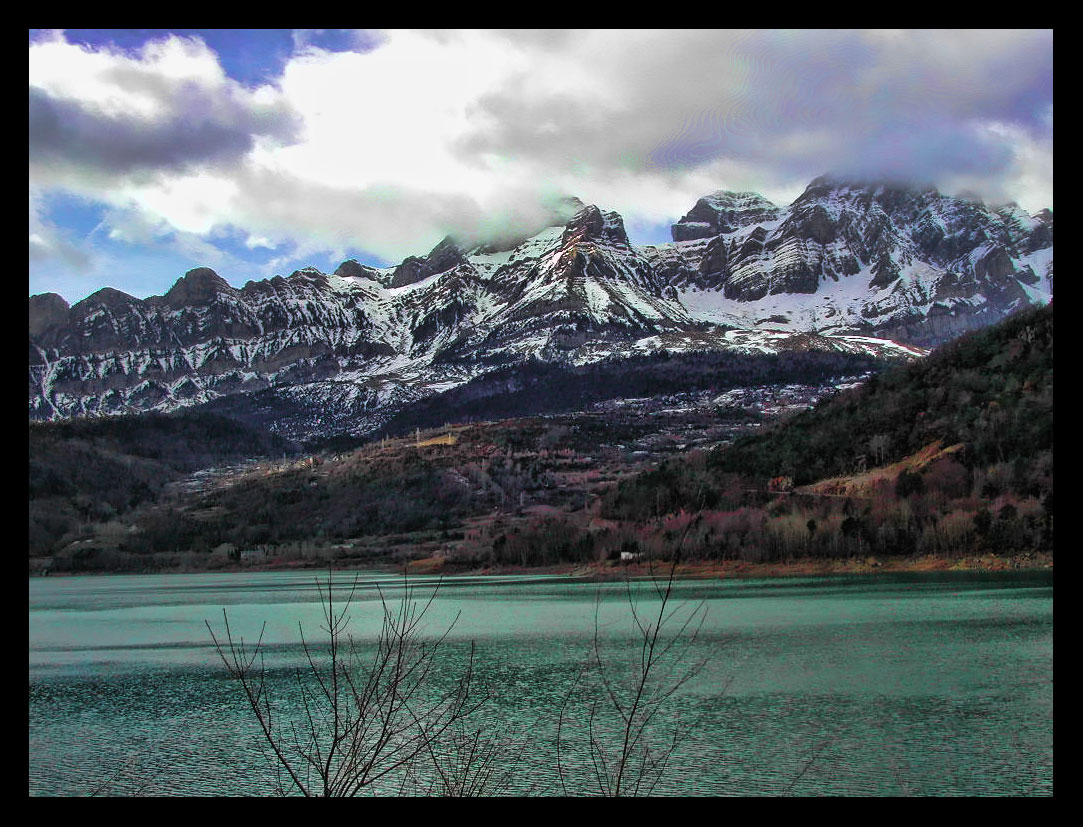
926, 684
611, 570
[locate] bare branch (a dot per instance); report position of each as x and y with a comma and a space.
369, 718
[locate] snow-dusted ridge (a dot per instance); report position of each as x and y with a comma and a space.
848, 266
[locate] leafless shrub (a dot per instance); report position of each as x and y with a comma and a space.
368, 719
471, 763
632, 733
128, 774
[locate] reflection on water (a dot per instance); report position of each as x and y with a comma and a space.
920, 684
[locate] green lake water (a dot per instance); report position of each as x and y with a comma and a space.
919, 684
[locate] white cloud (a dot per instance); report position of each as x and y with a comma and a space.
436, 132
100, 119
49, 244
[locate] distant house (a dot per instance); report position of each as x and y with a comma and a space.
780, 484
41, 565
253, 554
630, 556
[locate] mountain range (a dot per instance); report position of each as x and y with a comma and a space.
864, 267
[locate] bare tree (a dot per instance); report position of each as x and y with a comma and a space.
471, 763
878, 446
128, 774
366, 719
630, 755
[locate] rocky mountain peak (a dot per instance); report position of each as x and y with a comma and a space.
565, 208
854, 262
47, 310
592, 224
106, 297
310, 274
557, 212
818, 188
443, 257
884, 191
724, 212
352, 268
197, 287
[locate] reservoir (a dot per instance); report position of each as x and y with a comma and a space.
923, 684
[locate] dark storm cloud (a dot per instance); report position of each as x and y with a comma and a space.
197, 126
466, 133
792, 104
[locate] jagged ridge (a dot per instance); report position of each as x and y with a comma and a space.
847, 266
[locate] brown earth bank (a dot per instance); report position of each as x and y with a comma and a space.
795, 568
613, 570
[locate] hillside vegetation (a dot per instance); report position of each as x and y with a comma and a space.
990, 390
952, 453
550, 388
88, 471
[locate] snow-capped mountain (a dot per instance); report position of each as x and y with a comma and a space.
847, 266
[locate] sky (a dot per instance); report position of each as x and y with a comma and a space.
260, 151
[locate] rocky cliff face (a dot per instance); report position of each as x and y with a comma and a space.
846, 266
723, 213
892, 262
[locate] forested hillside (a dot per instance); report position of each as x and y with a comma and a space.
945, 456
991, 390
952, 453
546, 388
93, 470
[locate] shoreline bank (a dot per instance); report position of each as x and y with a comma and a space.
738, 569
610, 570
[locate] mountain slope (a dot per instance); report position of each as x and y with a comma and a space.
904, 264
849, 267
991, 390
98, 470
986, 397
